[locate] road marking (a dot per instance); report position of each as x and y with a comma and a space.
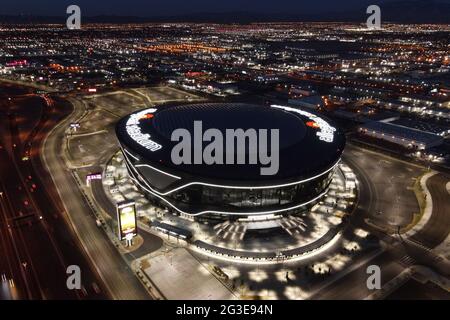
88, 133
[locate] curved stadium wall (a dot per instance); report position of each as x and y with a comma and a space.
198, 191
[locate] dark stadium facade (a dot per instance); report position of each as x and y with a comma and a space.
310, 148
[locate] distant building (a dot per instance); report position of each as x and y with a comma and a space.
301, 91
222, 88
439, 130
309, 102
404, 136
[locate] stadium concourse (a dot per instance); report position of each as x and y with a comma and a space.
252, 239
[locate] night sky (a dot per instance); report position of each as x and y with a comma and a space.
149, 8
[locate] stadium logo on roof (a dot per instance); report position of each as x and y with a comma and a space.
325, 133
134, 130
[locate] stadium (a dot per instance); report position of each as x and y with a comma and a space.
309, 152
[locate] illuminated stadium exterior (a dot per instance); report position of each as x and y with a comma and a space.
309, 151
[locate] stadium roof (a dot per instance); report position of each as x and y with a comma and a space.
309, 144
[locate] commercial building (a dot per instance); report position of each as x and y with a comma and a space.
310, 102
401, 135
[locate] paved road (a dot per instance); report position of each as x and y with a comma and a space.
13, 283
437, 228
384, 181
413, 290
378, 195
101, 198
151, 241
37, 244
119, 279
353, 285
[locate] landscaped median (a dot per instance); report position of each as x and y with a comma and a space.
425, 204
421, 200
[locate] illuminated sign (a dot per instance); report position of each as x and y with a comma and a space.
135, 132
147, 116
312, 124
17, 63
126, 220
74, 126
326, 132
93, 176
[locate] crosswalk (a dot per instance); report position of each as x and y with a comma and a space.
407, 261
293, 224
230, 231
236, 231
419, 244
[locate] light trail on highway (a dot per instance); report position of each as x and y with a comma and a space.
43, 245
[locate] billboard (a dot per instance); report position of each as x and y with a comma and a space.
93, 176
126, 220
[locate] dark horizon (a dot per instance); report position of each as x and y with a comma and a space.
158, 10
404, 11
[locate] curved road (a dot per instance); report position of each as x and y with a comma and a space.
437, 228
371, 169
120, 281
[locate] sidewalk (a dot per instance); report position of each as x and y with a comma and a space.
178, 275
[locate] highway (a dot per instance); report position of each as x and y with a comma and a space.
36, 242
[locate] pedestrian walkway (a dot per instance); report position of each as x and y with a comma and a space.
179, 276
296, 234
